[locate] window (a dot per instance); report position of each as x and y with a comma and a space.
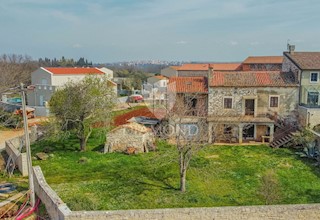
314, 77
227, 103
227, 129
313, 98
44, 81
274, 101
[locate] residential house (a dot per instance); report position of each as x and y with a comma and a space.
108, 72
155, 89
46, 80
187, 103
198, 69
262, 63
244, 104
306, 69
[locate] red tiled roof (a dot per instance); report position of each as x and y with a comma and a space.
188, 85
305, 60
225, 66
194, 67
160, 77
252, 79
72, 70
175, 67
264, 59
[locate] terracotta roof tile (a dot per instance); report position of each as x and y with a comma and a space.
72, 70
252, 79
264, 60
160, 77
305, 60
194, 67
188, 85
225, 66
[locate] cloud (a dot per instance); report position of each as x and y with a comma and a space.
182, 42
255, 43
233, 43
77, 45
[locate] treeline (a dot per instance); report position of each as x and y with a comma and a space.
64, 62
16, 68
135, 78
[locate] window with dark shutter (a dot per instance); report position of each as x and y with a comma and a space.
227, 103
274, 101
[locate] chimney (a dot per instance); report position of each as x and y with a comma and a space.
291, 48
210, 71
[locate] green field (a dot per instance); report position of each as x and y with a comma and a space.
218, 176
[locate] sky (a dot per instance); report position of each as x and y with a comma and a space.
170, 30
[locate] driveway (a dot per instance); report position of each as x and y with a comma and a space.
6, 135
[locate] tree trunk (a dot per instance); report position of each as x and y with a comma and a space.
83, 144
183, 173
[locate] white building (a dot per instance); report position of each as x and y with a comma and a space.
46, 80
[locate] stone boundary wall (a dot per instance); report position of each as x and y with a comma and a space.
57, 209
20, 159
292, 212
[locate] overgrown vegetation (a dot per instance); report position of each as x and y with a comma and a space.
218, 176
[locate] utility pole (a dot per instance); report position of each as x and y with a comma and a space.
27, 140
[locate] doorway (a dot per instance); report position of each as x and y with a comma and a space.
248, 131
249, 107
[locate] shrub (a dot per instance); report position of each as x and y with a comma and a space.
269, 190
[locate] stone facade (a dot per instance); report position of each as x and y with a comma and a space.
289, 66
131, 135
261, 67
288, 100
186, 73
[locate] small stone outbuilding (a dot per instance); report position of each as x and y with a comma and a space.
130, 138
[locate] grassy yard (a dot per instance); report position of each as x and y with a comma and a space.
218, 176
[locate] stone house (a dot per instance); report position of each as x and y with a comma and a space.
242, 105
306, 69
188, 95
262, 63
130, 137
198, 69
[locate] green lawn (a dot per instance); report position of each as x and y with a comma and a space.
218, 176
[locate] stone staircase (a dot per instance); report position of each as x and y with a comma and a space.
279, 142
284, 134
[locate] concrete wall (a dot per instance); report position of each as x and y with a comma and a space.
55, 207
309, 116
33, 96
169, 72
20, 159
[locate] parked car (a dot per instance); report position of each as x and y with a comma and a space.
135, 98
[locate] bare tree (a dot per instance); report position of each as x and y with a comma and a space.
15, 69
186, 127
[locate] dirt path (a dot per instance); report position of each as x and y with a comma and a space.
6, 135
